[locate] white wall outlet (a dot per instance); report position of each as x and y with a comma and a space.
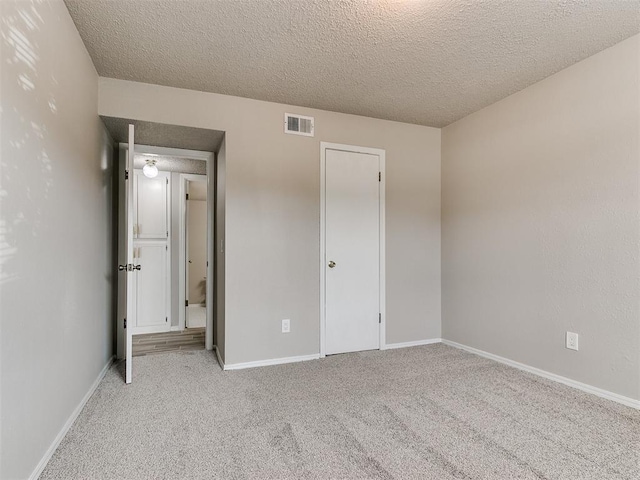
572, 341
286, 325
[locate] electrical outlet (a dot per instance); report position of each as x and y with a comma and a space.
572, 341
286, 325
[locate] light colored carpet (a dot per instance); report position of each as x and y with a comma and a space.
431, 412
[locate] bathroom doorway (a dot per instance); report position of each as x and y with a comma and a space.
195, 254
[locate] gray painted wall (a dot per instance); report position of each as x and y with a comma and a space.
540, 223
55, 226
273, 207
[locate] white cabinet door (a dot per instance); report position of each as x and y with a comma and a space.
151, 199
151, 286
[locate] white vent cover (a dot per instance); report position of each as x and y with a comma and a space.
298, 125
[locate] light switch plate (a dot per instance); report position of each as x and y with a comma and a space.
286, 325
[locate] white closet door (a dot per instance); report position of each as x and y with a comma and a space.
151, 206
151, 285
352, 262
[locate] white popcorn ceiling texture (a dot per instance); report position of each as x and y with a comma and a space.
429, 62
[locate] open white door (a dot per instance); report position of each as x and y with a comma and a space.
131, 268
127, 269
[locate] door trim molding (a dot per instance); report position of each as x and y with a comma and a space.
324, 146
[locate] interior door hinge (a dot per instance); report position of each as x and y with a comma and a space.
126, 174
187, 196
125, 323
379, 318
379, 176
186, 303
166, 319
167, 181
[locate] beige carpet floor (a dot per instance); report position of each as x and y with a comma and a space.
431, 412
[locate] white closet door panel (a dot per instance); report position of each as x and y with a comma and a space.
151, 291
151, 206
352, 217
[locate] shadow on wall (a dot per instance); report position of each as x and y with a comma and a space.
21, 203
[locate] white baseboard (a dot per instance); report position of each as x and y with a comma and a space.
417, 343
65, 428
629, 402
273, 361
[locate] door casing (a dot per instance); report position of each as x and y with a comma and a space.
324, 146
208, 157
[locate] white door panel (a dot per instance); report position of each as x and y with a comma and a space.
352, 228
151, 205
151, 285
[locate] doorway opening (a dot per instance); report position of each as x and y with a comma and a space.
180, 210
166, 227
193, 280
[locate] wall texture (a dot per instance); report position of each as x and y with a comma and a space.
55, 234
540, 223
272, 214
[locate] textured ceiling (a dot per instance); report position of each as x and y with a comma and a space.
163, 135
428, 62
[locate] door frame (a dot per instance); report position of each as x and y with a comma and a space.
324, 146
182, 265
209, 158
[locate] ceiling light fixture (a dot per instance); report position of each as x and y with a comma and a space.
150, 170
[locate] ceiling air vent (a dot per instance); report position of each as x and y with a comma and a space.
298, 124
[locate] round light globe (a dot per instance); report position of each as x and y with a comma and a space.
150, 170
